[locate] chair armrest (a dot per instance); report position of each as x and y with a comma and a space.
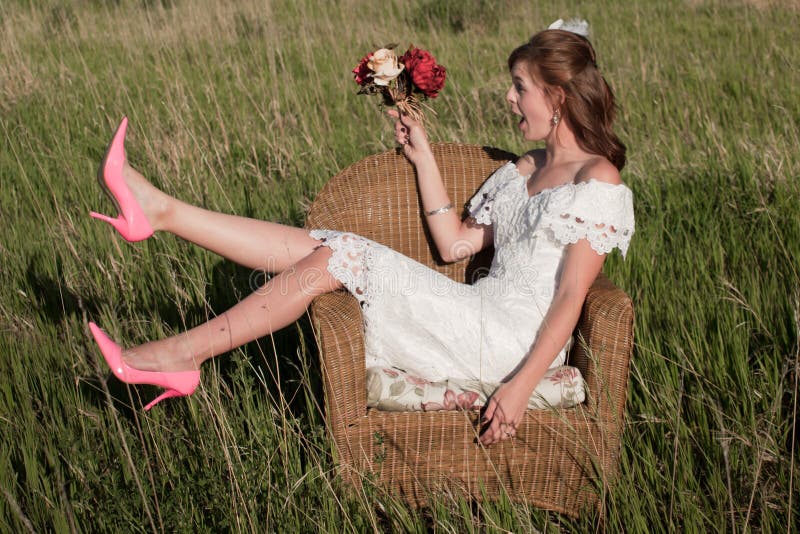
339, 330
603, 348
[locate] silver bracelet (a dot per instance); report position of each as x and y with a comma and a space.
437, 211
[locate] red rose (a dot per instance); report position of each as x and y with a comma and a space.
362, 73
426, 74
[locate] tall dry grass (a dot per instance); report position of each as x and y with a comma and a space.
247, 107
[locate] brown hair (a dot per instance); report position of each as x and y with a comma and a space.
558, 58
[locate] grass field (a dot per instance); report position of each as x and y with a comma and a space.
248, 107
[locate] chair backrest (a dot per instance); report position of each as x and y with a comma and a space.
377, 198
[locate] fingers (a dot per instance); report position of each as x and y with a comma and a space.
401, 136
409, 134
403, 120
402, 133
488, 414
499, 424
400, 129
402, 117
497, 431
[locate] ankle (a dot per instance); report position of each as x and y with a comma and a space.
163, 211
157, 205
182, 354
173, 356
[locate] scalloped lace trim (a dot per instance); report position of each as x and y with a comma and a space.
601, 213
602, 237
480, 205
481, 209
348, 263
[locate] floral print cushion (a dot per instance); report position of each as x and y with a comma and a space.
394, 390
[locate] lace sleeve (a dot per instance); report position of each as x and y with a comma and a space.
480, 205
599, 212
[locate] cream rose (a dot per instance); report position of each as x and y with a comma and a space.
384, 66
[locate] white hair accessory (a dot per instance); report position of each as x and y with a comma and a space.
579, 26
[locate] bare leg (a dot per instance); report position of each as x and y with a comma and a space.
278, 303
249, 242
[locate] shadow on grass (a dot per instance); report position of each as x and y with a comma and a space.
274, 359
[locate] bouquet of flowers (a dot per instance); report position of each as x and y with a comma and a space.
403, 81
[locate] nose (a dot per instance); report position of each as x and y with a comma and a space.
511, 96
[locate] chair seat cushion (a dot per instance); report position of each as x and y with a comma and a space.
394, 390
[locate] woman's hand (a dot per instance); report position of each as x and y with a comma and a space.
504, 412
411, 136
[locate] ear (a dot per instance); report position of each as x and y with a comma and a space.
557, 97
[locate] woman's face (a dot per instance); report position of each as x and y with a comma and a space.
528, 100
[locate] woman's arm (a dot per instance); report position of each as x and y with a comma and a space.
508, 403
455, 239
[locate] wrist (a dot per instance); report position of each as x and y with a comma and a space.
522, 382
425, 160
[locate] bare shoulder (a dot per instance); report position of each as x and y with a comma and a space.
530, 161
599, 169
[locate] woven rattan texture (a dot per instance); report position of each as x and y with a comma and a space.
560, 460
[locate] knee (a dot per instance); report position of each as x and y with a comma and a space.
311, 277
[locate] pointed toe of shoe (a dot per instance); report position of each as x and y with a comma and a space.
131, 222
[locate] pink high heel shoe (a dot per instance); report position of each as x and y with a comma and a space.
177, 384
131, 222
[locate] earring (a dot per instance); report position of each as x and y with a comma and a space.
556, 118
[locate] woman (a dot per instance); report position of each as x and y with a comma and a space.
552, 217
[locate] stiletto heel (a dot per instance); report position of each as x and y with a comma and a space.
177, 383
131, 222
166, 395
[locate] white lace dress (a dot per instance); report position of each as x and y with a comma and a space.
418, 320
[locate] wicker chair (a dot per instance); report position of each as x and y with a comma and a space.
560, 460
